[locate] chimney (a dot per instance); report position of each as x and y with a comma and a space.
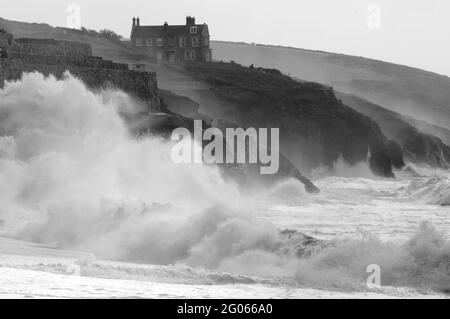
134, 22
166, 26
190, 21
138, 22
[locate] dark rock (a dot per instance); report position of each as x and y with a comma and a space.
315, 128
303, 244
395, 154
415, 146
148, 124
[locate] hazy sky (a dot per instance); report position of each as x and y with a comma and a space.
411, 32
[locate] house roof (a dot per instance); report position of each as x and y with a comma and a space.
169, 30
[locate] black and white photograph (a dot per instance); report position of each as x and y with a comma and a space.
225, 150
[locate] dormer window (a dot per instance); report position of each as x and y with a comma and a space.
193, 30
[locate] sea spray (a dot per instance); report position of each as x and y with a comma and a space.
73, 177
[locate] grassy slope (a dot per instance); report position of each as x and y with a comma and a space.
100, 46
420, 94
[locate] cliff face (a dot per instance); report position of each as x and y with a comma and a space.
315, 128
416, 146
56, 57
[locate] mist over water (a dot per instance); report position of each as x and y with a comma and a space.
72, 176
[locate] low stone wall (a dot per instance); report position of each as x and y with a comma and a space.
50, 47
55, 57
5, 43
141, 85
91, 62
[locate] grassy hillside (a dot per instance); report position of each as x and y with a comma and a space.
422, 95
316, 127
118, 52
419, 94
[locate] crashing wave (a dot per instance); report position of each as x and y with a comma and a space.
68, 164
432, 186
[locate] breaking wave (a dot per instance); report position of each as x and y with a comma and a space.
430, 185
71, 176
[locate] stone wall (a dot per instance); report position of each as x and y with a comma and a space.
50, 47
5, 43
88, 62
140, 85
56, 57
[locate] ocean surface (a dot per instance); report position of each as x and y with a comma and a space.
88, 211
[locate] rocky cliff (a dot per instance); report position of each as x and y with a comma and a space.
246, 175
315, 128
416, 146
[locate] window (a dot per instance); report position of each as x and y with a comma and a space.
189, 55
194, 42
206, 41
172, 41
159, 56
139, 42
150, 42
193, 30
3, 53
159, 42
182, 42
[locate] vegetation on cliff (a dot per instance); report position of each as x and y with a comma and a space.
315, 128
406, 90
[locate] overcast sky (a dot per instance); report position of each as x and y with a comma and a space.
410, 32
